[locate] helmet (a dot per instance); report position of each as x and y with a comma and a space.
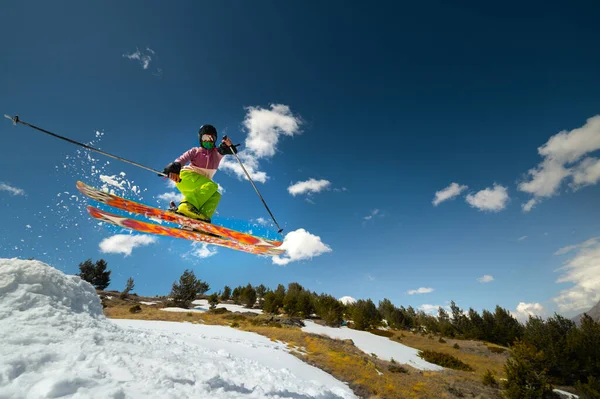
209, 130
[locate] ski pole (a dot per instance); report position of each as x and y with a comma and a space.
254, 185
16, 120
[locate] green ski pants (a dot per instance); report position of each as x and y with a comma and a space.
199, 191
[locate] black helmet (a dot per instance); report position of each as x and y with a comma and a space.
207, 129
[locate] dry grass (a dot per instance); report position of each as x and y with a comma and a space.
368, 376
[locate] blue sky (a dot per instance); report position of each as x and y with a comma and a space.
382, 107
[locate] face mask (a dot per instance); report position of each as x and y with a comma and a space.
208, 141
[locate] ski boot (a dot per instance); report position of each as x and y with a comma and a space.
189, 210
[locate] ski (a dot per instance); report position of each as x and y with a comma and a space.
186, 222
177, 232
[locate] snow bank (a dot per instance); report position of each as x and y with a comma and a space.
369, 343
57, 343
202, 304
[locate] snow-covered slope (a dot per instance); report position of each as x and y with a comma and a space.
56, 342
383, 347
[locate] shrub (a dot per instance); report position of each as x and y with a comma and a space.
213, 300
442, 340
444, 360
590, 389
489, 380
381, 333
455, 346
235, 324
496, 349
135, 308
397, 369
218, 311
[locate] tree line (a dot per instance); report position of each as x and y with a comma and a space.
543, 352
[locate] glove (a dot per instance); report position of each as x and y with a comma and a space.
173, 167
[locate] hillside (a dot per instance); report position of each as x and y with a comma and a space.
594, 313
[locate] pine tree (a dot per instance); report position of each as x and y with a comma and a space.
226, 293
235, 295
329, 309
128, 287
213, 300
248, 296
261, 290
95, 274
364, 314
525, 374
189, 287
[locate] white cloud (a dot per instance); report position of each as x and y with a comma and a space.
262, 221
587, 173
140, 56
489, 199
264, 127
300, 245
347, 300
522, 238
431, 309
485, 278
374, 212
586, 244
308, 186
447, 193
199, 250
251, 165
583, 271
559, 153
529, 205
422, 290
172, 196
124, 243
12, 190
524, 310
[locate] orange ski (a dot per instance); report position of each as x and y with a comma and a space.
184, 221
145, 227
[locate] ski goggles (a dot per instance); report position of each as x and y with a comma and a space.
208, 137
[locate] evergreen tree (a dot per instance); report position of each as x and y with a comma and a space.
269, 304
213, 300
261, 290
445, 327
385, 309
329, 309
506, 328
364, 314
290, 301
235, 295
305, 306
475, 325
460, 322
525, 374
185, 292
95, 274
128, 287
226, 293
584, 344
248, 296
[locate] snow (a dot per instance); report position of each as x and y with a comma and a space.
202, 304
148, 303
56, 342
565, 394
383, 347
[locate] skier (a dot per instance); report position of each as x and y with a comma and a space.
194, 181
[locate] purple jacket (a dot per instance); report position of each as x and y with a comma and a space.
202, 161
